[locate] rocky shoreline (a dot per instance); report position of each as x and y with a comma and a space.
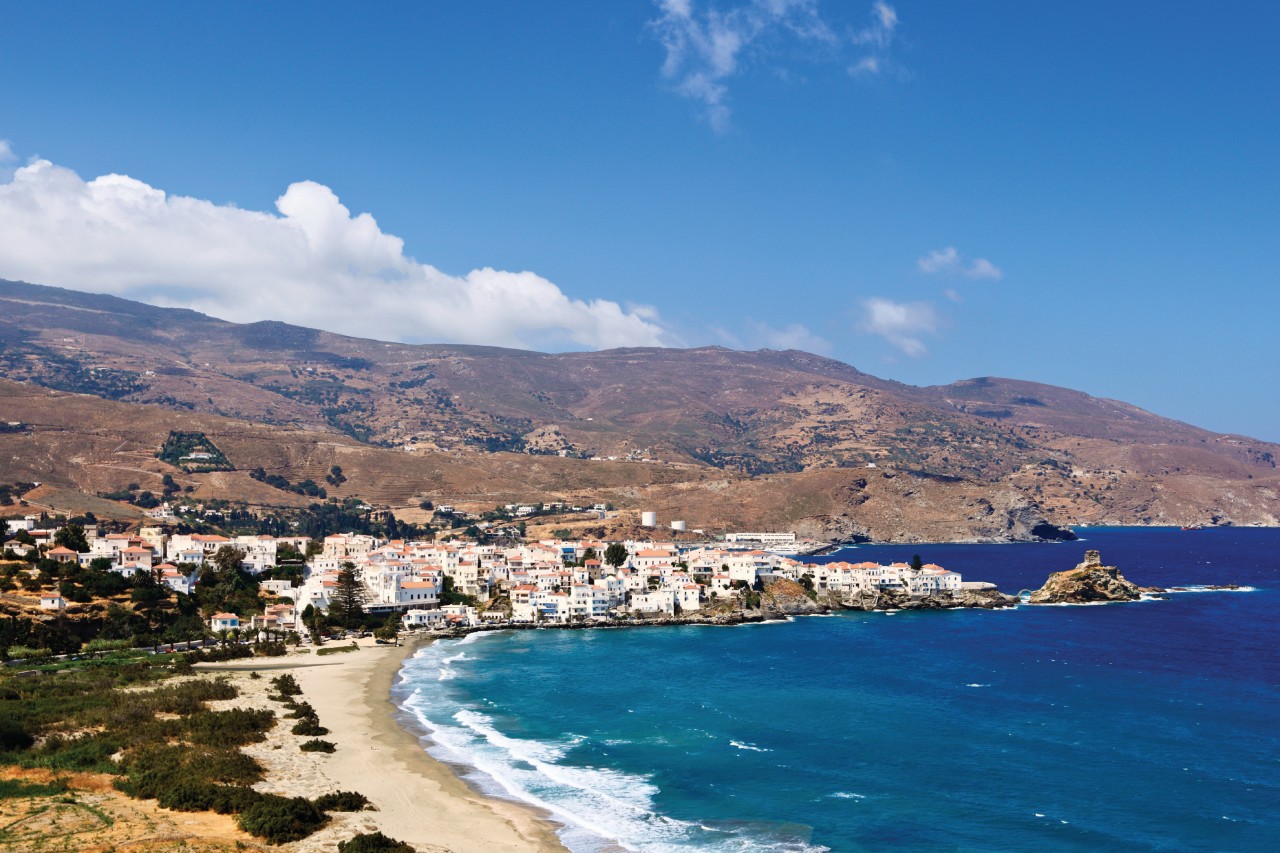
780, 601
1090, 582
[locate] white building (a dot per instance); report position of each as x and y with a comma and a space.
767, 540
224, 622
661, 601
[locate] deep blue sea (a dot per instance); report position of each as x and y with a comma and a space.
1145, 726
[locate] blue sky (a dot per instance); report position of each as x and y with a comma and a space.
1086, 194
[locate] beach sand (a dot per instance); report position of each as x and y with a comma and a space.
418, 799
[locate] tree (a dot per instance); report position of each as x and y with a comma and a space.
347, 603
917, 563
223, 585
616, 554
589, 554
311, 619
287, 552
448, 595
228, 558
391, 630
72, 536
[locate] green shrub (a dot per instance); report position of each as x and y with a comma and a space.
13, 735
299, 710
219, 653
309, 726
12, 788
233, 799
373, 842
279, 820
333, 650
286, 685
233, 728
317, 745
156, 768
187, 795
88, 753
343, 801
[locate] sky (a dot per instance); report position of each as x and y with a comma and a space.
1084, 194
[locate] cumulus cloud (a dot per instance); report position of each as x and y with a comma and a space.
6, 152
706, 44
900, 323
311, 262
950, 262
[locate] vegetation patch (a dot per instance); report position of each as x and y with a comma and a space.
317, 745
307, 487
334, 650
343, 801
373, 842
193, 452
16, 788
279, 820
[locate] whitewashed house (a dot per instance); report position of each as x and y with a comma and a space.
224, 622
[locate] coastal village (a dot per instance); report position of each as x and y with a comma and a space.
462, 584
273, 657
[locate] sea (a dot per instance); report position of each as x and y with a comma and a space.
1152, 725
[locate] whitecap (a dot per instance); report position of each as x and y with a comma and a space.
1206, 588
847, 795
977, 685
748, 746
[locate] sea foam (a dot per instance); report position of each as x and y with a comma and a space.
600, 808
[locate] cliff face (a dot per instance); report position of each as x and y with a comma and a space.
1090, 581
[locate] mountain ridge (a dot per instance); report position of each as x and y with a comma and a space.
752, 415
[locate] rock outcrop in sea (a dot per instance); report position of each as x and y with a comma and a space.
1088, 582
985, 599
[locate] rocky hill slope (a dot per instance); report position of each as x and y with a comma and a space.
777, 437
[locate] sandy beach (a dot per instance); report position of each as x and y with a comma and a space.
418, 799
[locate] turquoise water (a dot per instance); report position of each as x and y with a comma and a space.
1146, 726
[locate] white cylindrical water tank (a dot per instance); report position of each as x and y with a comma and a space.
677, 526
648, 519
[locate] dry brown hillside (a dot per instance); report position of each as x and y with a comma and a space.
737, 438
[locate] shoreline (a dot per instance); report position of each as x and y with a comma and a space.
419, 800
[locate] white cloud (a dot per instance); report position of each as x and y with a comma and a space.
790, 336
877, 38
900, 323
756, 335
6, 152
949, 262
983, 268
312, 263
707, 44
